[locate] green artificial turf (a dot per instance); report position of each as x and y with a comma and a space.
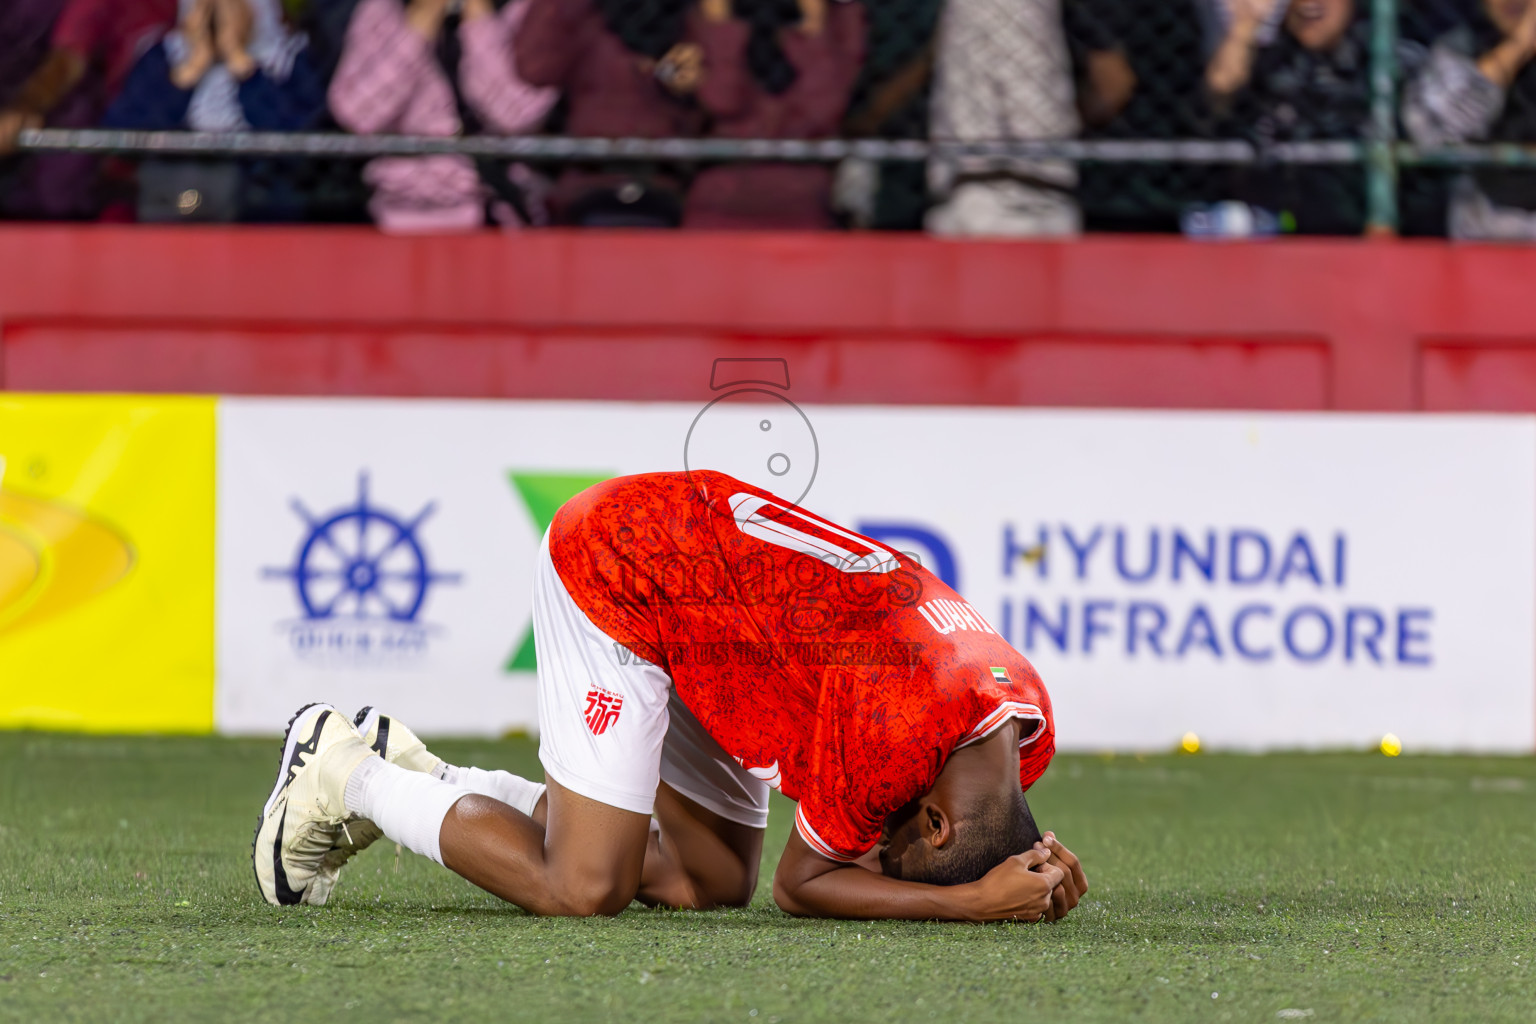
1310, 887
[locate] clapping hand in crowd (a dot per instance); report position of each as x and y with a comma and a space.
427, 16
813, 17
197, 30
813, 14
216, 32
680, 69
1232, 63
231, 36
1253, 13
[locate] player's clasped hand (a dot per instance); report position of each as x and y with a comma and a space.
1073, 882
1042, 884
1020, 888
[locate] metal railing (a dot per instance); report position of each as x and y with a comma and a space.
549, 149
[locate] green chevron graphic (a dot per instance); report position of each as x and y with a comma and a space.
543, 494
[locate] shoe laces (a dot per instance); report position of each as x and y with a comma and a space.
313, 838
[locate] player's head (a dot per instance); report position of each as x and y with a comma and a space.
973, 818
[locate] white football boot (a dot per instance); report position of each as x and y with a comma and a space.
305, 833
395, 743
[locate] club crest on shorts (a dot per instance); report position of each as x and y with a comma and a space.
603, 709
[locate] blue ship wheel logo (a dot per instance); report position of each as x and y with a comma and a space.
362, 561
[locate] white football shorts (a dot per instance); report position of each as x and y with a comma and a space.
610, 725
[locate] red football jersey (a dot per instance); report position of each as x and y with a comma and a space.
827, 664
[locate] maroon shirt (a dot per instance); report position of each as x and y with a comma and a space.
113, 34
609, 92
785, 196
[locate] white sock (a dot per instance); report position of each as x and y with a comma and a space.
408, 806
512, 790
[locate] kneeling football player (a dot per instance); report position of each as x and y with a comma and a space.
701, 641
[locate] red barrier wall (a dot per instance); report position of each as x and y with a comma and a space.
1290, 324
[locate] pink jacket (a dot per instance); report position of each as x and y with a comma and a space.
389, 81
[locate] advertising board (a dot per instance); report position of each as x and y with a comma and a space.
1264, 580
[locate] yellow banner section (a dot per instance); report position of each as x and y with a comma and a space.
106, 563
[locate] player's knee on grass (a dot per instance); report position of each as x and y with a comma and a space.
700, 894
594, 897
927, 846
705, 860
741, 894
730, 888
726, 881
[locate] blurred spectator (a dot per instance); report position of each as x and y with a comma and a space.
398, 73
93, 45
1479, 84
773, 69
1096, 37
1140, 72
1002, 73
625, 69
890, 101
1312, 84
229, 66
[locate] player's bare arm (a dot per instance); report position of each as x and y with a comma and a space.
809, 885
936, 837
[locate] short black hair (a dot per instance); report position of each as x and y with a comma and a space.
995, 830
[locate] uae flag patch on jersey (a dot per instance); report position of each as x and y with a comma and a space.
1001, 675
